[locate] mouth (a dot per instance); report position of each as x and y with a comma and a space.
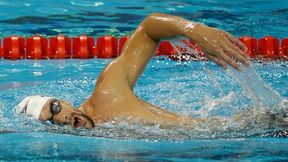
78, 122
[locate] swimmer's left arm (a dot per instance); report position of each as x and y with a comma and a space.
124, 71
218, 45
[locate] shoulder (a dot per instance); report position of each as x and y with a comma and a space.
113, 74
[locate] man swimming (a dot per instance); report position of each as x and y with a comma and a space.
113, 98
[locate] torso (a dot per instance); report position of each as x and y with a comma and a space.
130, 108
127, 106
113, 100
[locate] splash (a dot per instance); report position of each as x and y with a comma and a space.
262, 95
192, 88
256, 88
268, 109
212, 103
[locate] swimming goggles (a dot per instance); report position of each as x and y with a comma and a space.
55, 108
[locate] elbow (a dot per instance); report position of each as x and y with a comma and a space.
151, 25
152, 17
155, 14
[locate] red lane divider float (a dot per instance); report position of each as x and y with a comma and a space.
251, 44
107, 47
122, 42
60, 47
166, 48
284, 47
36, 47
1, 49
13, 48
268, 47
84, 47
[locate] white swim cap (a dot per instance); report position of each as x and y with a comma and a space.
32, 105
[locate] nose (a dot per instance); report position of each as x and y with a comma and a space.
64, 120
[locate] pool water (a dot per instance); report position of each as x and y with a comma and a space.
73, 17
198, 89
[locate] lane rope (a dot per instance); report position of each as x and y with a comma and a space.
86, 47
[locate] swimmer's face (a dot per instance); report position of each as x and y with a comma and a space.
62, 113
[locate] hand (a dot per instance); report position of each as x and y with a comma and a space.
220, 47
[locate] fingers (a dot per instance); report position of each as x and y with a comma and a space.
222, 59
236, 53
229, 60
220, 62
237, 42
225, 50
239, 51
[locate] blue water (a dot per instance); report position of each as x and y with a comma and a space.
72, 17
199, 89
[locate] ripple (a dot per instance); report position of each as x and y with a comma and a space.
83, 30
37, 73
3, 75
50, 10
86, 3
171, 9
131, 8
15, 70
15, 4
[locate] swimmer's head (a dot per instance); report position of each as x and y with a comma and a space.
56, 111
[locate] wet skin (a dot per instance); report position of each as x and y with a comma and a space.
113, 98
67, 116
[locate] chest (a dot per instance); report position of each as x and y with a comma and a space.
117, 108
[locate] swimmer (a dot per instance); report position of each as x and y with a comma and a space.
113, 98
